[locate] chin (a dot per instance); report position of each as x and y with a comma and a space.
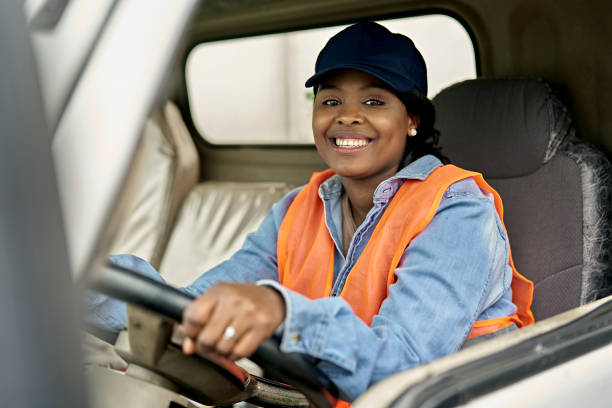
350, 172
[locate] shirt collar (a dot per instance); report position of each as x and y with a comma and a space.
419, 169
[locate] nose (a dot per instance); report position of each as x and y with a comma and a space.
350, 114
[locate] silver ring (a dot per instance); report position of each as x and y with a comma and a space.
230, 334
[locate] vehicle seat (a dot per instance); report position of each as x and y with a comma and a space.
555, 188
180, 227
213, 223
170, 169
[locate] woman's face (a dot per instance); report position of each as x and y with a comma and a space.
359, 127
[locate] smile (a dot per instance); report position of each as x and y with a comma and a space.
350, 143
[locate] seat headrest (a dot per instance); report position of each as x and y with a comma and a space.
501, 127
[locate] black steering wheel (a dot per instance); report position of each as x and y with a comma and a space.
142, 291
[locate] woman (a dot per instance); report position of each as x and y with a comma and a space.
382, 263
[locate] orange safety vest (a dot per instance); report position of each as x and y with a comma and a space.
305, 249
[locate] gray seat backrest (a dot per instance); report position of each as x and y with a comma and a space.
555, 188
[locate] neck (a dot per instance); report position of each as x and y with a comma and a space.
360, 197
360, 192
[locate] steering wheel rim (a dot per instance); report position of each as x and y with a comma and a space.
132, 287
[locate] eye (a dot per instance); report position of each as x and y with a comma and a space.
330, 102
374, 102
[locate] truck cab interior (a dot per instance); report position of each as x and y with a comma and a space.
129, 161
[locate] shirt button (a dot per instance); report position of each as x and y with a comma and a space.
296, 337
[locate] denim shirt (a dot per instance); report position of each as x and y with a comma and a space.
453, 273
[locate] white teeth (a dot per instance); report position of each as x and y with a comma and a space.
351, 142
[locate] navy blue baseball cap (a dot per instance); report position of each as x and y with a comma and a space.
371, 48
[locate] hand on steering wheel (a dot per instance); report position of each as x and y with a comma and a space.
265, 303
232, 319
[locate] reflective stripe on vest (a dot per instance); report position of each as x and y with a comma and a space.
305, 249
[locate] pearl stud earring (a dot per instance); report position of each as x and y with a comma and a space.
413, 132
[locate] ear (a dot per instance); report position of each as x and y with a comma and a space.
413, 122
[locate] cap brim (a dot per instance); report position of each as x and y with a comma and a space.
390, 78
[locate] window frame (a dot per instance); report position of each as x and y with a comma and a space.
201, 140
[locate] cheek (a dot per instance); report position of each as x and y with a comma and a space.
318, 121
396, 127
319, 127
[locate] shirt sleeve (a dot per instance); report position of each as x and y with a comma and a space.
107, 313
449, 274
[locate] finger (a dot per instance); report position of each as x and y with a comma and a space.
197, 314
247, 344
189, 346
212, 331
225, 345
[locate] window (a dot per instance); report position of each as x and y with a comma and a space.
251, 91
